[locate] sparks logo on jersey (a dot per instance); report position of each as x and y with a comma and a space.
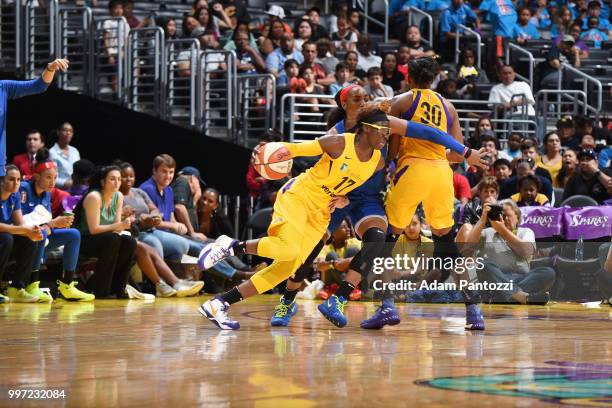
344, 167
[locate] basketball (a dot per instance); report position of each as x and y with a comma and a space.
272, 161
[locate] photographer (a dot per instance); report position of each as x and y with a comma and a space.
468, 215
507, 250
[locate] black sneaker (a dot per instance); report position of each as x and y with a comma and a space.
539, 299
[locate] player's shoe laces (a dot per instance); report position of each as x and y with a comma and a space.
333, 310
216, 310
384, 315
215, 252
283, 312
473, 318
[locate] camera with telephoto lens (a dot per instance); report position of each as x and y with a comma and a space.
495, 212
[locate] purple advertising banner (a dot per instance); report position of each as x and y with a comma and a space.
545, 222
588, 222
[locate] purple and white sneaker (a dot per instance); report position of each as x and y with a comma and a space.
473, 318
383, 316
216, 311
215, 252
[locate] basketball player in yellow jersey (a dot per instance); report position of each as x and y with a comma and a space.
302, 210
423, 174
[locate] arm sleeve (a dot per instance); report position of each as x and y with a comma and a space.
18, 89
423, 132
310, 148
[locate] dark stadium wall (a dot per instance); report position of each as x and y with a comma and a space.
104, 132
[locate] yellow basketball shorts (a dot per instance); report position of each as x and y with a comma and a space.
421, 181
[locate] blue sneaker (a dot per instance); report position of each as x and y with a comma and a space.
333, 310
473, 318
283, 312
383, 316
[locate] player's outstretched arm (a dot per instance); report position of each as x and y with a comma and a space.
330, 144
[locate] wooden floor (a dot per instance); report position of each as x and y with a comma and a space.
164, 354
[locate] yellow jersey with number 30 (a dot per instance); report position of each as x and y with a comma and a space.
428, 108
329, 177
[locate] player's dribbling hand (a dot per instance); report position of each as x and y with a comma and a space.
58, 64
477, 159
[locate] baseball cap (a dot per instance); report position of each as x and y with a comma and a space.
565, 122
192, 171
568, 39
587, 154
277, 11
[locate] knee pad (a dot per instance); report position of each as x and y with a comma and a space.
373, 244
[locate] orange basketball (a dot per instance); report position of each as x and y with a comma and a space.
272, 161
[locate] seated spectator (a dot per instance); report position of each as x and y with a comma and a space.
111, 36
353, 18
18, 241
501, 14
365, 58
334, 259
375, 87
187, 190
342, 74
270, 38
541, 17
461, 186
470, 213
584, 125
254, 181
168, 24
524, 166
580, 10
457, 14
344, 39
98, 217
565, 52
64, 155
490, 143
562, 22
449, 89
575, 31
212, 221
513, 150
132, 20
242, 27
82, 172
529, 192
529, 150
416, 47
325, 56
502, 94
314, 15
190, 23
277, 14
413, 243
304, 31
236, 10
276, 60
25, 162
567, 133
356, 74
552, 158
213, 61
215, 22
587, 142
403, 56
467, 72
502, 169
525, 30
594, 33
310, 87
602, 25
569, 167
291, 71
391, 76
484, 123
248, 59
310, 60
508, 250
37, 192
149, 257
589, 180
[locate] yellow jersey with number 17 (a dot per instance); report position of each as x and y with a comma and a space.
329, 177
428, 108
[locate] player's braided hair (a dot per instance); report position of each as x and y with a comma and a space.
423, 71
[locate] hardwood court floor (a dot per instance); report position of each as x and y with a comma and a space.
164, 354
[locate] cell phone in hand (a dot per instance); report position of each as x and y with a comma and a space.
495, 212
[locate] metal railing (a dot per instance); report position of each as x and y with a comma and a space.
367, 18
502, 127
11, 41
566, 102
216, 98
413, 13
478, 41
109, 37
256, 104
181, 69
40, 33
303, 117
144, 72
73, 43
586, 79
531, 62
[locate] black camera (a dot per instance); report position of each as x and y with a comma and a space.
495, 212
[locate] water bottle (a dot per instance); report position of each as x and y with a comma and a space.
580, 249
